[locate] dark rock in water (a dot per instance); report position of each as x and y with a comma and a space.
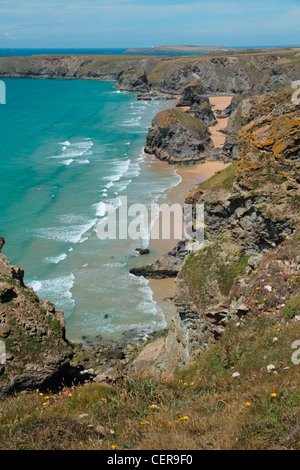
151, 273
167, 266
105, 316
143, 251
144, 98
2, 241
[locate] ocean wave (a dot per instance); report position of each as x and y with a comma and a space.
67, 234
133, 122
70, 151
57, 290
120, 170
55, 259
108, 207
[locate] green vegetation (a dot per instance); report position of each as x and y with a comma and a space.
203, 407
228, 273
192, 124
222, 179
172, 115
212, 271
292, 308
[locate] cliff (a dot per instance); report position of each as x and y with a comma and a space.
249, 264
37, 352
253, 72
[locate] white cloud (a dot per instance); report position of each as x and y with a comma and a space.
9, 36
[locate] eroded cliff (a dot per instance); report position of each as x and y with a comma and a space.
249, 264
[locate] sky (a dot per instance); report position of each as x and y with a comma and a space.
147, 23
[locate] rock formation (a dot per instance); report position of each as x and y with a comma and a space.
249, 262
177, 137
254, 73
37, 353
194, 96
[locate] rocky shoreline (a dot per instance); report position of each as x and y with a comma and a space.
252, 221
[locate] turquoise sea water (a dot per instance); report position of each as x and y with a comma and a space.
68, 148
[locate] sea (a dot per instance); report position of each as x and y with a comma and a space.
69, 150
9, 52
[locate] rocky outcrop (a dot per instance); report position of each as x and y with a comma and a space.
177, 137
37, 352
194, 97
192, 94
167, 266
249, 261
237, 111
133, 81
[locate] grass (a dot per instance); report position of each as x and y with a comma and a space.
211, 271
222, 179
292, 308
192, 124
203, 407
172, 115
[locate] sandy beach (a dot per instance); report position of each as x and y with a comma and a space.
164, 289
219, 103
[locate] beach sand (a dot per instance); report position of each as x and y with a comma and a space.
219, 103
165, 289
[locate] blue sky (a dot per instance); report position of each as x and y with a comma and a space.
146, 23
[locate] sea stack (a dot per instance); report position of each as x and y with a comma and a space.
178, 138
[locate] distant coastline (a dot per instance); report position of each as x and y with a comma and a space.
158, 50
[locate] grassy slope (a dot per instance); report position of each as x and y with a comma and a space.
202, 408
172, 115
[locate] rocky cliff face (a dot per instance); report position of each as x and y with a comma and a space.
37, 353
177, 137
249, 263
255, 73
194, 97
